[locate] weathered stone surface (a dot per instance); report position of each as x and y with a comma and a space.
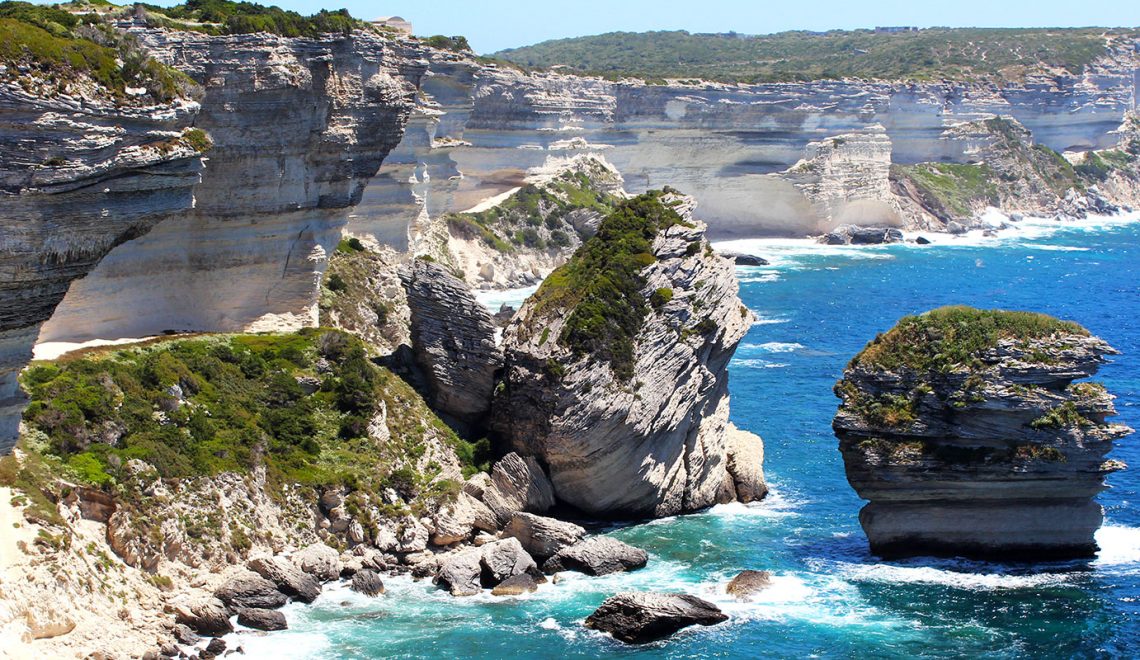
288, 579
516, 585
852, 235
745, 452
367, 581
250, 590
460, 520
748, 583
540, 536
320, 561
652, 446
637, 618
597, 555
453, 341
262, 619
518, 484
504, 559
209, 617
460, 573
998, 457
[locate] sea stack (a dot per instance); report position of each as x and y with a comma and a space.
966, 432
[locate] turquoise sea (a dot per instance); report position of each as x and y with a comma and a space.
817, 307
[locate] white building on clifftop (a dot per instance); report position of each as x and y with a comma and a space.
394, 22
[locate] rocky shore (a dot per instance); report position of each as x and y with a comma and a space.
973, 433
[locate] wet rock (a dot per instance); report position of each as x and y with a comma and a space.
505, 559
540, 536
262, 619
748, 583
516, 585
744, 259
249, 589
288, 579
367, 582
460, 573
597, 555
637, 618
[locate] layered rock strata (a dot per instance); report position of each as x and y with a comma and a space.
647, 407
78, 177
968, 435
299, 127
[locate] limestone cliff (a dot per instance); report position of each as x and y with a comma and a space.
299, 126
967, 433
78, 177
616, 369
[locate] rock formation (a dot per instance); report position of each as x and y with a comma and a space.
967, 433
453, 341
637, 618
629, 386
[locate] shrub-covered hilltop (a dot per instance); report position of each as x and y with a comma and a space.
309, 408
933, 54
967, 433
73, 49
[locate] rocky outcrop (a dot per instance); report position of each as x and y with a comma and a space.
637, 618
453, 342
289, 579
250, 590
262, 619
854, 235
597, 555
745, 452
967, 433
208, 617
368, 582
517, 484
628, 387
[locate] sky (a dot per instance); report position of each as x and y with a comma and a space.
492, 25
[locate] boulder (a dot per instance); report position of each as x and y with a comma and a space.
289, 579
748, 583
505, 559
540, 536
460, 520
216, 647
248, 589
637, 618
460, 573
922, 240
367, 582
744, 259
186, 635
597, 555
320, 561
515, 586
518, 484
262, 619
209, 617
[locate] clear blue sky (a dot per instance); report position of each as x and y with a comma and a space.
492, 25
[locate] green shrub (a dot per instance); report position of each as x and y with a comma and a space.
336, 283
661, 297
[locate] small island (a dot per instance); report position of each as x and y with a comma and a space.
967, 433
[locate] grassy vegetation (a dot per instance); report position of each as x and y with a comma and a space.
1064, 415
42, 45
998, 55
949, 338
203, 406
602, 283
458, 43
950, 190
535, 217
225, 17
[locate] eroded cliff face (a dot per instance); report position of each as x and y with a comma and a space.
718, 142
967, 433
603, 398
77, 178
299, 126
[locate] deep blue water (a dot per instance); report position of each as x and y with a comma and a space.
831, 598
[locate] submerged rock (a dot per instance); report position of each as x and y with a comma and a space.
966, 432
637, 618
744, 259
616, 368
748, 583
597, 555
515, 586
